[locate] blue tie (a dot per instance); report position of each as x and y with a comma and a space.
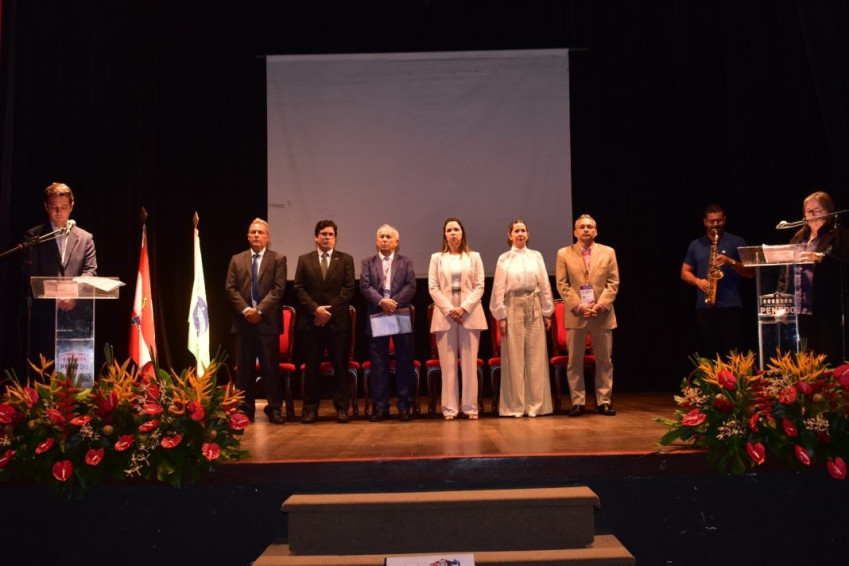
255, 280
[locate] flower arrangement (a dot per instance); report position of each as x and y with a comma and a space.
796, 410
158, 426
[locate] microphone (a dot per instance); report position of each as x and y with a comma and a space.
68, 227
784, 225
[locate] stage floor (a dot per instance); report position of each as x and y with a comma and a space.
431, 453
632, 430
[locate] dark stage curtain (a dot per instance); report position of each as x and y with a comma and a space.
673, 105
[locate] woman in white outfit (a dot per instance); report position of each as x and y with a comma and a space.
522, 304
455, 282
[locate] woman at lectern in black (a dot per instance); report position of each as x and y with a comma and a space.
821, 286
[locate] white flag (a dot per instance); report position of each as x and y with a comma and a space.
198, 313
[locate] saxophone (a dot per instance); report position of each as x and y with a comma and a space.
714, 273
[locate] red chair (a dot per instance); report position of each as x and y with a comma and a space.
433, 367
417, 369
495, 363
560, 360
286, 363
326, 367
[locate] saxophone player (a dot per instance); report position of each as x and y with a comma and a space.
712, 265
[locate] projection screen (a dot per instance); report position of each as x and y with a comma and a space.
410, 139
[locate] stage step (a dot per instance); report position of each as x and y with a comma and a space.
605, 550
504, 526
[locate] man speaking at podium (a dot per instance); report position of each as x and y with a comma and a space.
70, 254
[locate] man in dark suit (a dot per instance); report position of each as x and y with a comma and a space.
324, 287
388, 283
256, 280
70, 254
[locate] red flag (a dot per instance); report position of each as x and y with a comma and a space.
142, 335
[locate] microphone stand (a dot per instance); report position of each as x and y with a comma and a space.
842, 257
34, 241
30, 246
784, 225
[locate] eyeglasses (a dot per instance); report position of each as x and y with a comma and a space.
814, 212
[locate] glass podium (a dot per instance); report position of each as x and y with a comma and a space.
778, 302
74, 327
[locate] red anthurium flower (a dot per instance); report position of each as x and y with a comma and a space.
44, 446
62, 470
211, 450
94, 456
240, 421
837, 468
55, 416
841, 374
757, 452
152, 393
6, 457
148, 426
753, 422
727, 379
31, 396
198, 414
124, 442
804, 387
787, 395
789, 429
111, 402
7, 413
722, 404
80, 420
802, 455
152, 408
169, 442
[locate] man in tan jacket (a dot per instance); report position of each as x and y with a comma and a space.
588, 280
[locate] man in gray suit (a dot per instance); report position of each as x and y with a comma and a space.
256, 280
324, 287
70, 254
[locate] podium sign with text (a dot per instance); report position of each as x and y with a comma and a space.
74, 318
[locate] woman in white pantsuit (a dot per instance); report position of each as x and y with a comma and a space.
455, 281
522, 304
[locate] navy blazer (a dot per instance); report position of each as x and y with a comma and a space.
402, 288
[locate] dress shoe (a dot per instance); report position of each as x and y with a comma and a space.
309, 417
275, 416
606, 409
342, 416
379, 415
405, 416
577, 411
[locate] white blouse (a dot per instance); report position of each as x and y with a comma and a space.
520, 270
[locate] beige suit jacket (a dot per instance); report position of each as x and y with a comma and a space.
603, 275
